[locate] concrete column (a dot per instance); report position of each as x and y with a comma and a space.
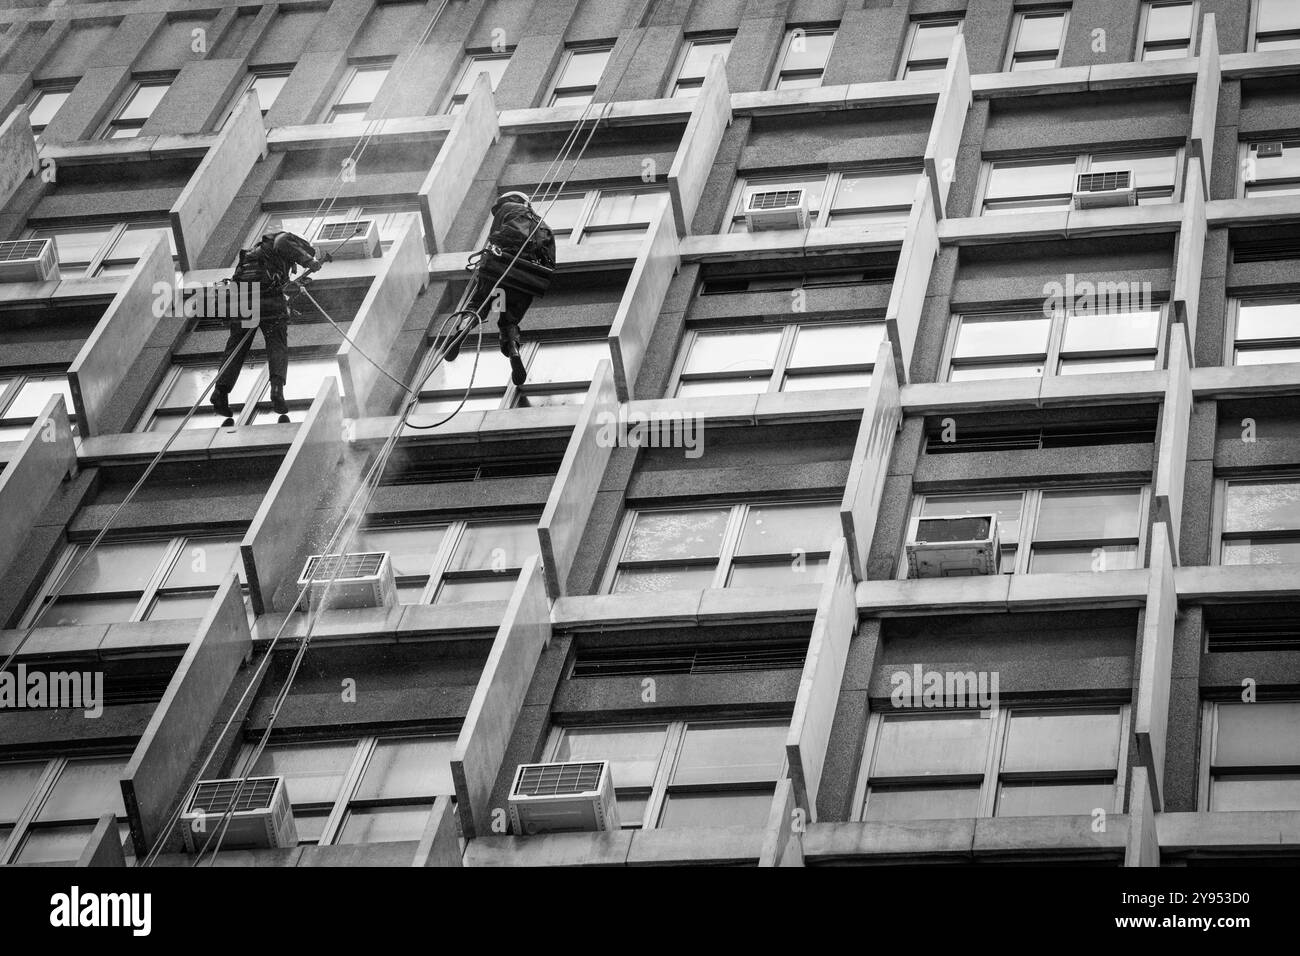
710, 117
459, 160
638, 311
865, 485
31, 477
1205, 107
1171, 453
949, 123
1143, 845
912, 279
1151, 711
1189, 256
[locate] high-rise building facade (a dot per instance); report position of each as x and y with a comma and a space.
908, 467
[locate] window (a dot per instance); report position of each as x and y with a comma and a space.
598, 215
774, 358
1271, 169
136, 108
1030, 345
803, 59
359, 88
1265, 331
1166, 31
390, 219
45, 104
684, 773
1014, 762
267, 83
928, 46
580, 72
1261, 522
1046, 184
48, 808
1277, 25
147, 579
111, 249
559, 373
371, 790
250, 399
23, 395
493, 64
1037, 43
859, 197
766, 544
456, 561
694, 64
1079, 529
1254, 756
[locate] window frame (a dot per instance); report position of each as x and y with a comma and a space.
115, 122
1139, 55
779, 72
351, 114
1221, 485
1244, 149
556, 86
832, 180
907, 61
255, 74
1009, 63
1083, 163
1230, 327
40, 91
582, 223
455, 99
683, 55
512, 395
12, 844
1253, 33
12, 382
991, 778
1209, 753
103, 254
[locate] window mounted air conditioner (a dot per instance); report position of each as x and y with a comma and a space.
956, 546
28, 260
1268, 150
262, 816
358, 579
1100, 190
355, 239
563, 797
776, 209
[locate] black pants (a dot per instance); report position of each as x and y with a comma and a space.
516, 306
275, 336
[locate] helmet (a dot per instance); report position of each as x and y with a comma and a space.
512, 196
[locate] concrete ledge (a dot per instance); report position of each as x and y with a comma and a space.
1236, 830
1246, 380
1237, 582
908, 840
551, 849
1063, 835
1003, 592
698, 845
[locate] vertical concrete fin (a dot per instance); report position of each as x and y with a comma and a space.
403, 272
457, 163
1151, 713
104, 848
120, 335
870, 464
912, 278
1205, 107
18, 158
949, 121
490, 721
1189, 255
638, 310
782, 838
819, 686
169, 748
1171, 456
198, 210
439, 844
710, 117
30, 478
282, 520
1143, 845
573, 492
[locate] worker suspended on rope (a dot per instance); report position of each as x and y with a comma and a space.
517, 264
268, 268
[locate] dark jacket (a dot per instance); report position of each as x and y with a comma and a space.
271, 261
512, 227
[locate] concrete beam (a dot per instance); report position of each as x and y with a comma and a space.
18, 158
1143, 848
119, 337
1151, 712
783, 836
29, 480
871, 453
1229, 830
1237, 582
207, 196
949, 122
573, 492
1171, 457
439, 845
819, 686
402, 274
710, 117
1205, 107
307, 472
638, 310
912, 278
104, 848
459, 160
170, 745
490, 721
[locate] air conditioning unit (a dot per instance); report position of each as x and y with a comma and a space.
355, 239
956, 546
563, 797
776, 209
353, 580
1268, 150
262, 816
1100, 190
28, 260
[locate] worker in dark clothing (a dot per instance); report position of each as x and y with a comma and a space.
268, 267
523, 275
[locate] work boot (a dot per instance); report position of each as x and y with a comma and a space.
221, 403
518, 374
277, 399
453, 349
283, 420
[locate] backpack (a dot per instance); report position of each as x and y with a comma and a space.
519, 226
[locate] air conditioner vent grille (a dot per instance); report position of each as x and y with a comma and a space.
21, 250
775, 199
321, 569
338, 231
559, 779
214, 796
1105, 182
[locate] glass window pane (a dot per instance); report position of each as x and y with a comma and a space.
306, 377
744, 809
384, 825
1061, 741
620, 207
65, 612
312, 772
980, 373
933, 41
782, 529
1169, 21
191, 381
777, 574
76, 247
675, 535
799, 82
918, 803
55, 844
566, 361
701, 54
136, 239
821, 345
806, 383
36, 392
634, 753
882, 188
730, 386
1262, 734
268, 89
1094, 366
1064, 560
411, 550
17, 782
732, 351
496, 588
731, 753
496, 545
913, 747
1268, 319
1037, 178
1277, 15
561, 212
1111, 331
47, 104
493, 66
179, 607
1021, 334
1005, 506
807, 51
143, 101
86, 790
1088, 514
1040, 32
205, 562
116, 566
1150, 167
1262, 506
645, 580
1043, 798
408, 767
493, 369
584, 68
1272, 792
364, 86
1261, 552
